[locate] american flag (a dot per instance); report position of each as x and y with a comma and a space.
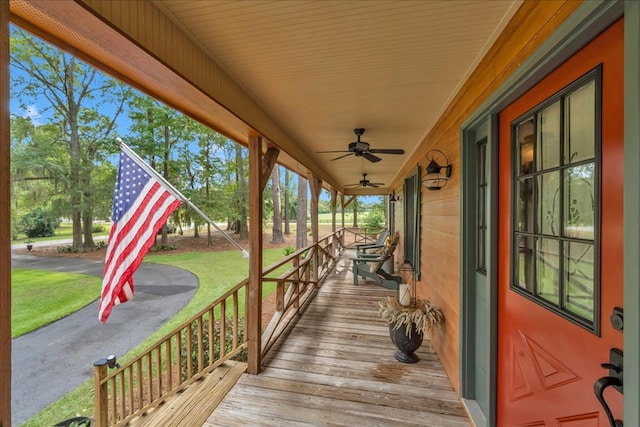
141, 205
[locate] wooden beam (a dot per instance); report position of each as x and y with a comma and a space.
348, 202
254, 293
5, 221
268, 161
342, 208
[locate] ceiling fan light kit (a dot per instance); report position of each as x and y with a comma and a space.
364, 182
363, 149
434, 179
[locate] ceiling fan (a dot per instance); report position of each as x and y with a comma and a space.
363, 149
364, 182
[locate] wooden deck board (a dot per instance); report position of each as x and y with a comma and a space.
336, 368
195, 404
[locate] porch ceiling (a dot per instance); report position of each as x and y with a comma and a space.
321, 69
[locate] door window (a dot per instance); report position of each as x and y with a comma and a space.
555, 205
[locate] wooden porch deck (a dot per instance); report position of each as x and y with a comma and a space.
336, 367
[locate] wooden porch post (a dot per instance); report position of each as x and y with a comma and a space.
315, 184
259, 170
5, 221
254, 291
334, 196
342, 208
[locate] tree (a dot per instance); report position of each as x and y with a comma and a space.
276, 235
242, 222
156, 132
73, 96
301, 214
287, 211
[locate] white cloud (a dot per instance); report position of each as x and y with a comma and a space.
32, 112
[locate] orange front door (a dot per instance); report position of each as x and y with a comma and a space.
561, 241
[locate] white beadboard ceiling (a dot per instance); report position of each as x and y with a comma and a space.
323, 68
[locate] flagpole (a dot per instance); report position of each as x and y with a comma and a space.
178, 194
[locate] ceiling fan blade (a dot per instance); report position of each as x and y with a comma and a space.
340, 157
375, 184
334, 151
387, 151
353, 185
371, 157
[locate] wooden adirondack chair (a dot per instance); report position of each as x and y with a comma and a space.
379, 243
369, 265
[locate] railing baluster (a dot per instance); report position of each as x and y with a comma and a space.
132, 407
236, 316
212, 336
122, 395
139, 385
189, 350
169, 363
112, 401
223, 328
159, 369
149, 377
200, 345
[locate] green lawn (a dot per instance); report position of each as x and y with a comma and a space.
216, 271
40, 297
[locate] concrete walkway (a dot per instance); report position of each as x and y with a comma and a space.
53, 360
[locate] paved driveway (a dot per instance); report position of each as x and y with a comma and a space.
55, 359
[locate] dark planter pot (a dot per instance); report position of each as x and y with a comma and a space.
29, 247
406, 345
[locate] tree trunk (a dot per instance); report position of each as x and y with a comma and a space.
164, 240
301, 214
243, 228
287, 208
276, 231
87, 225
355, 213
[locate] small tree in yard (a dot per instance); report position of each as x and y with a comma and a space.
38, 223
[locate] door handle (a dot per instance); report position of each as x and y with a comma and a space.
614, 379
598, 388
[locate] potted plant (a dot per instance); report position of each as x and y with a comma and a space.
29, 243
408, 324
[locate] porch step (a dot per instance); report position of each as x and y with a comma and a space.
193, 406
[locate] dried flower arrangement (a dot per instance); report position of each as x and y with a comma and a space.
420, 312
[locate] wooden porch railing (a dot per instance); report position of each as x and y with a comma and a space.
296, 285
359, 235
208, 339
199, 345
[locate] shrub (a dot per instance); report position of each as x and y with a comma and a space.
288, 250
374, 219
68, 249
38, 223
98, 228
163, 248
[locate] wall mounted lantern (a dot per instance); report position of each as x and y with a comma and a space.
393, 197
435, 179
